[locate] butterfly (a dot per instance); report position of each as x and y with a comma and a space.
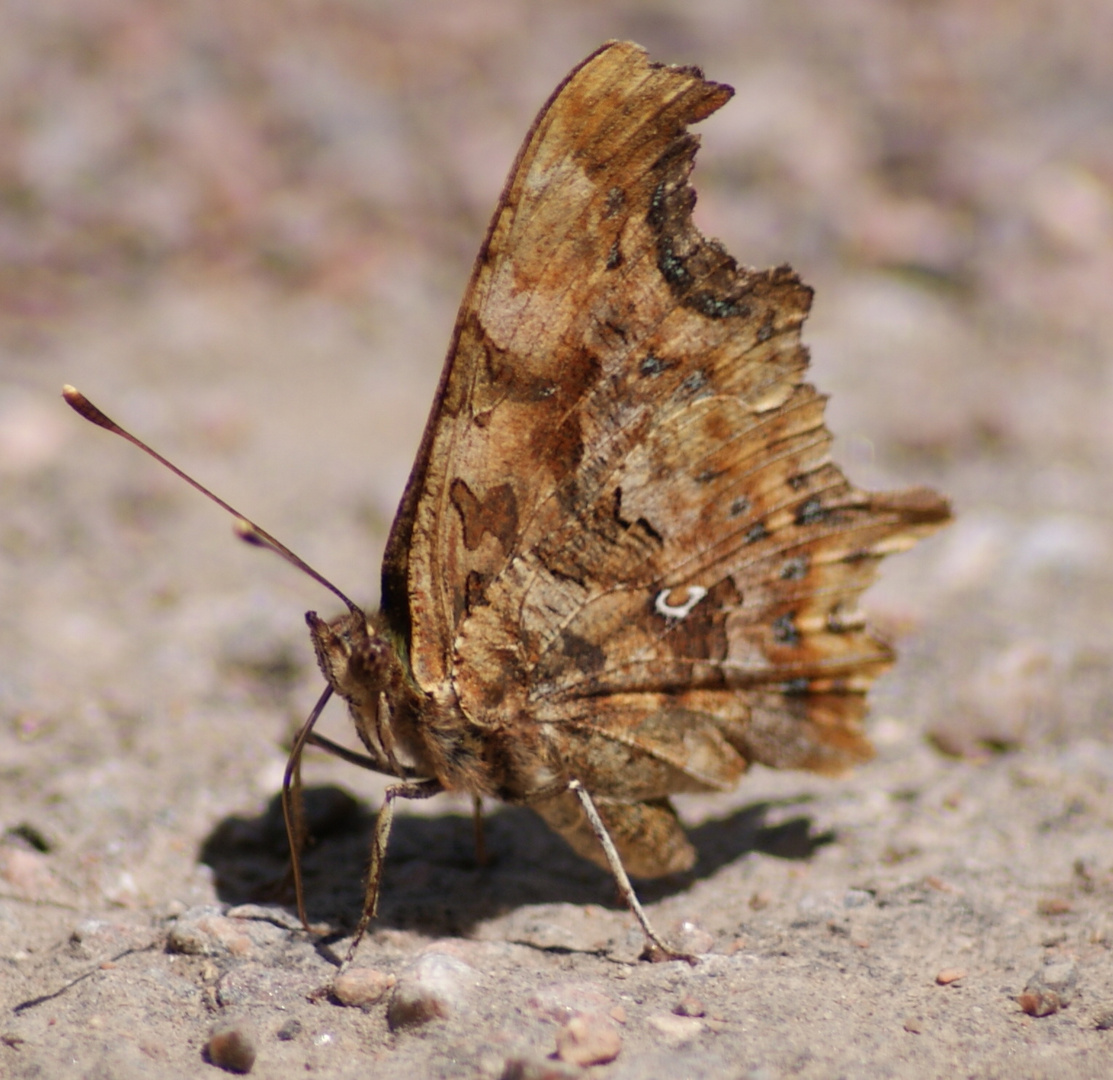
624, 566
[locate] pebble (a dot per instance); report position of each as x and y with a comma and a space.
28, 873
1002, 704
231, 1046
589, 1039
361, 987
817, 907
1054, 905
433, 987
210, 931
289, 1030
276, 916
561, 1001
1104, 1020
1050, 989
97, 938
677, 1030
950, 975
689, 1005
914, 1025
689, 938
1038, 1003
208, 934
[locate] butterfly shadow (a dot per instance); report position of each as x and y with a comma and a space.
435, 884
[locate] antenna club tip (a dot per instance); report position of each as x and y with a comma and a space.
248, 532
81, 405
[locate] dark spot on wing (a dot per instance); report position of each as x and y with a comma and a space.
784, 629
646, 527
699, 272
810, 512
616, 200
618, 329
475, 589
496, 513
694, 383
756, 532
587, 656
715, 307
563, 446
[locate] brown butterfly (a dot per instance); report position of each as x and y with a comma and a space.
624, 565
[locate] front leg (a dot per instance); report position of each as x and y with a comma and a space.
372, 762
416, 789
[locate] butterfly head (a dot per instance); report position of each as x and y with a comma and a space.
363, 665
356, 661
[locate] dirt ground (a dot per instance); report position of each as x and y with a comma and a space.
244, 230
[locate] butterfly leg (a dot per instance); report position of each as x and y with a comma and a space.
418, 789
621, 878
481, 857
377, 763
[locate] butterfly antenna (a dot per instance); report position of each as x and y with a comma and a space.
293, 805
246, 529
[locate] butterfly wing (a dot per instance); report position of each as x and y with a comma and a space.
505, 429
624, 550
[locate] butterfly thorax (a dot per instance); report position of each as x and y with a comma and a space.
414, 733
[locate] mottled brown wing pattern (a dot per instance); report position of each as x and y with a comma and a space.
624, 528
505, 432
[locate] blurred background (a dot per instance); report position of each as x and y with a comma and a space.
243, 230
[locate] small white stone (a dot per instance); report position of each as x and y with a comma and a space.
590, 1038
677, 1030
434, 987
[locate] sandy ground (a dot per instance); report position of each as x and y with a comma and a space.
244, 230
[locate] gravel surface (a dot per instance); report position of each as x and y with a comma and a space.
243, 230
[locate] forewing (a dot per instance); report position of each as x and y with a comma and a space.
541, 324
